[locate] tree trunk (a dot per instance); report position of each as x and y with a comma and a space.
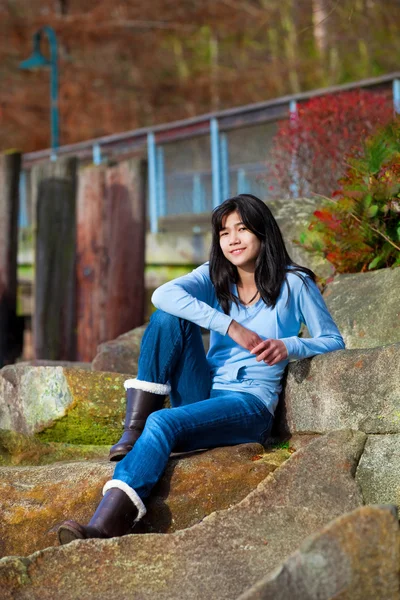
290, 46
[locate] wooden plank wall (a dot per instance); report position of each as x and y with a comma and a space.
110, 253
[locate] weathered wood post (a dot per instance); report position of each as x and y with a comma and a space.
54, 313
110, 253
10, 165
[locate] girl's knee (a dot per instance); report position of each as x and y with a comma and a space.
166, 322
163, 319
161, 425
157, 418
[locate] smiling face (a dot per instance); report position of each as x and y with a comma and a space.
239, 245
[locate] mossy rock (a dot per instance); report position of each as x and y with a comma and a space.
17, 449
67, 405
96, 413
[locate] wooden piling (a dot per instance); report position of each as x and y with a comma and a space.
54, 313
110, 253
10, 165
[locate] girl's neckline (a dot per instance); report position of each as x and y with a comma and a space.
246, 306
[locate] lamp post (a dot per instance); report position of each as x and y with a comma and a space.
36, 60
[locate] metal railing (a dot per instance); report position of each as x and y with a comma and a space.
173, 192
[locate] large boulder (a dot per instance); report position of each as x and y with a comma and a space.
355, 557
366, 307
357, 389
31, 397
62, 405
221, 557
378, 472
120, 355
35, 500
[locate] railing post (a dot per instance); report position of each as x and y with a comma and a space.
242, 183
96, 154
152, 178
215, 163
197, 194
23, 220
396, 95
294, 186
161, 192
224, 166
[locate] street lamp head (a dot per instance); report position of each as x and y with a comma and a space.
36, 59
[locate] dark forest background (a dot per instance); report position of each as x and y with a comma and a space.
135, 63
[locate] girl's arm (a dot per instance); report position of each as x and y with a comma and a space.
191, 297
325, 336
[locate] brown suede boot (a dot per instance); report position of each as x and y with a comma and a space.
114, 517
139, 405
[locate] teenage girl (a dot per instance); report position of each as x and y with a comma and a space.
253, 298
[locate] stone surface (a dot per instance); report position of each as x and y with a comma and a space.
366, 307
357, 389
62, 405
197, 484
355, 557
120, 355
26, 450
219, 558
97, 412
378, 472
41, 362
292, 222
298, 441
32, 397
33, 501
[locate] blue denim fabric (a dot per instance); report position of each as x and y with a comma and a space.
172, 350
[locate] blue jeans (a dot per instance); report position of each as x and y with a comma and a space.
172, 351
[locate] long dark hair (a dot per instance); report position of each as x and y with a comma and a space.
272, 263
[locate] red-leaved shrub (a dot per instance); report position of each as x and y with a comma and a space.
309, 150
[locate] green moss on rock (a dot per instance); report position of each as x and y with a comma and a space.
23, 450
96, 413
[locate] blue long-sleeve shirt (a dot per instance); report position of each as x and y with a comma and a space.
192, 297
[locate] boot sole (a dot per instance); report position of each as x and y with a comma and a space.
68, 533
116, 456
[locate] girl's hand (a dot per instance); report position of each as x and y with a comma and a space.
243, 336
270, 351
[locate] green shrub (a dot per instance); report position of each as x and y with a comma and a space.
359, 227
